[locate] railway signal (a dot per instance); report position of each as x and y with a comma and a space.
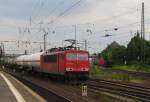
84, 90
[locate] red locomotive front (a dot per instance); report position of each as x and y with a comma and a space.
77, 64
69, 63
77, 61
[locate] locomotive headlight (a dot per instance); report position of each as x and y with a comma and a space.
69, 69
84, 69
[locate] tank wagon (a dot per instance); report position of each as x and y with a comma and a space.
58, 62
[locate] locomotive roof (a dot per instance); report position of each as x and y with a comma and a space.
56, 52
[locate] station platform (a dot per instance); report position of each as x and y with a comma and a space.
12, 90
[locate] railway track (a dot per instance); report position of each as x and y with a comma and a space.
117, 88
141, 74
126, 90
47, 94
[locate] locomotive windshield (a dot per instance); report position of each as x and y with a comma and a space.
75, 56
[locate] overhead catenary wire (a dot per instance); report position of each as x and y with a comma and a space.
61, 14
128, 12
39, 6
65, 11
56, 7
121, 27
131, 11
52, 10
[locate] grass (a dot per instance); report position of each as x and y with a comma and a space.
133, 67
103, 97
97, 71
107, 74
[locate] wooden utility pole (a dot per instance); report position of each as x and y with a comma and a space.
85, 44
2, 48
45, 40
75, 35
143, 34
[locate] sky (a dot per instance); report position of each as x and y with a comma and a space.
28, 20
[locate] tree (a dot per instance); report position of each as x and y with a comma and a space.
134, 49
114, 53
117, 54
147, 52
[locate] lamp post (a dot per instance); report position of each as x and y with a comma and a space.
75, 36
45, 35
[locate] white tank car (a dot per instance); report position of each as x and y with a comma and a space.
20, 60
32, 60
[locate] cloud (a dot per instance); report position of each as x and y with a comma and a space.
12, 23
102, 14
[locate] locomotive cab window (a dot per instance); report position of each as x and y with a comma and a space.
83, 57
75, 56
50, 58
71, 56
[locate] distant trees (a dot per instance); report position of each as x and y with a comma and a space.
117, 54
114, 53
147, 52
1, 52
135, 50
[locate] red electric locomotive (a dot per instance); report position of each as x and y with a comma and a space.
71, 64
67, 63
63, 62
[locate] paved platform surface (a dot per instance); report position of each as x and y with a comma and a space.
12, 90
5, 93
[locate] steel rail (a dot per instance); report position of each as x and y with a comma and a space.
118, 88
46, 93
